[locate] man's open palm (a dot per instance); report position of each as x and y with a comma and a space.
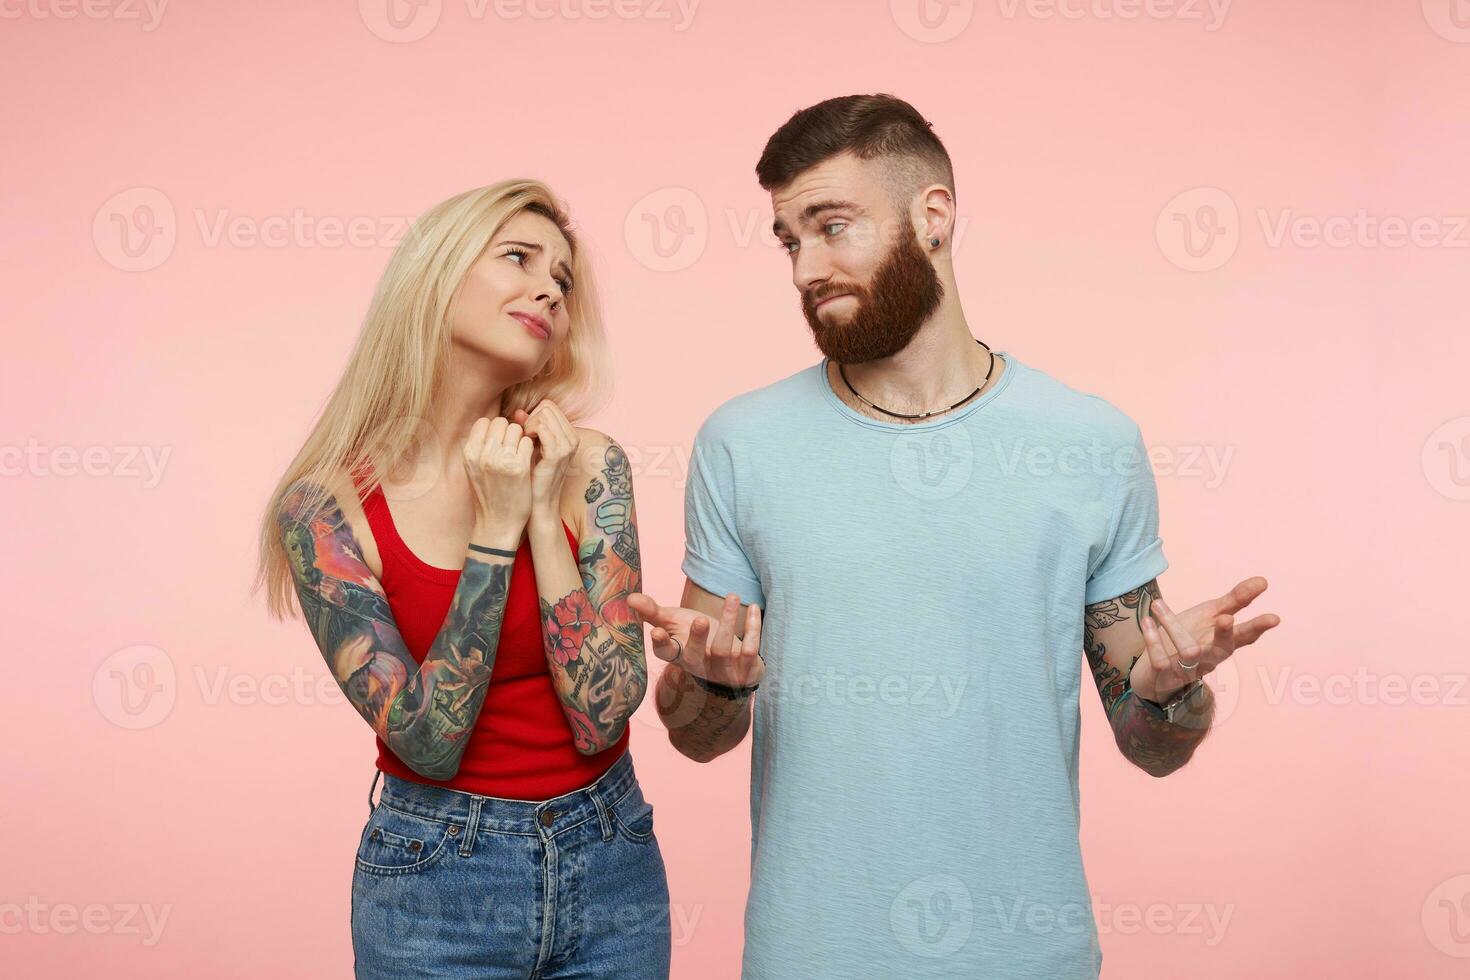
1205, 636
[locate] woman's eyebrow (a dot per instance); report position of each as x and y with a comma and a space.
561, 267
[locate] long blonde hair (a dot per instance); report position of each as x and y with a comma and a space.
372, 421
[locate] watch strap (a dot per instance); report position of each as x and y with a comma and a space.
1167, 710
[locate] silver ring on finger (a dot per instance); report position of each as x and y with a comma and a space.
1185, 666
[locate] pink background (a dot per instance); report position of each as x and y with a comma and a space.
1324, 820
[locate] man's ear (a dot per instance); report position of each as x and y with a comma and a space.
939, 215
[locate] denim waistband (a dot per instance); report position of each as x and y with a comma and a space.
529, 818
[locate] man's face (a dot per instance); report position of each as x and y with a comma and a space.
866, 286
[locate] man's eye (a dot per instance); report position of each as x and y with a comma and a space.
833, 224
788, 247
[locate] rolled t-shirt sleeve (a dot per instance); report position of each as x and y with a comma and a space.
1135, 553
714, 558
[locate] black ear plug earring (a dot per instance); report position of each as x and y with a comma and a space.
933, 243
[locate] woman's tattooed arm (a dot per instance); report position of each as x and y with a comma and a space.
424, 713
594, 644
1113, 641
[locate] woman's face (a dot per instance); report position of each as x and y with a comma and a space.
512, 306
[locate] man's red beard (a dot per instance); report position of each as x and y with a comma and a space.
904, 292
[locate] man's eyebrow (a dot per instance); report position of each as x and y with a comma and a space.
812, 210
561, 267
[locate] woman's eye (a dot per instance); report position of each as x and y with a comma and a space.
788, 247
519, 254
565, 284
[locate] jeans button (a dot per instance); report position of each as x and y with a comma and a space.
414, 845
454, 830
547, 816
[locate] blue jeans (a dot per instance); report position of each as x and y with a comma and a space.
452, 884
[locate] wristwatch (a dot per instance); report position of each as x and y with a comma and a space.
1168, 709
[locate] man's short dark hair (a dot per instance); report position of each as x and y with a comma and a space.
869, 127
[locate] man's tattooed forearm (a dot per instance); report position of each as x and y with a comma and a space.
708, 733
1111, 680
423, 713
1156, 746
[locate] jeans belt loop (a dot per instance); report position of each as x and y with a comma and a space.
604, 819
377, 774
472, 827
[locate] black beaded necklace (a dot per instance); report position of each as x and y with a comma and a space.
924, 415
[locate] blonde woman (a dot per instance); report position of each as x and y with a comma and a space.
462, 554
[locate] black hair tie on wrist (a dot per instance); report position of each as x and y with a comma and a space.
492, 551
723, 690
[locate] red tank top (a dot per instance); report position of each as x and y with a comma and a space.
521, 747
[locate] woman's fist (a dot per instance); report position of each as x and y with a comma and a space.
497, 458
556, 444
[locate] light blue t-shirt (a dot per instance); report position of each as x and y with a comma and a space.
914, 805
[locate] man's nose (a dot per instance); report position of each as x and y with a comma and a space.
810, 270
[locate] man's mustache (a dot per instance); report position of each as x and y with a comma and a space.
817, 295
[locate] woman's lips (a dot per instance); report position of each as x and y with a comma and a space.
534, 325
